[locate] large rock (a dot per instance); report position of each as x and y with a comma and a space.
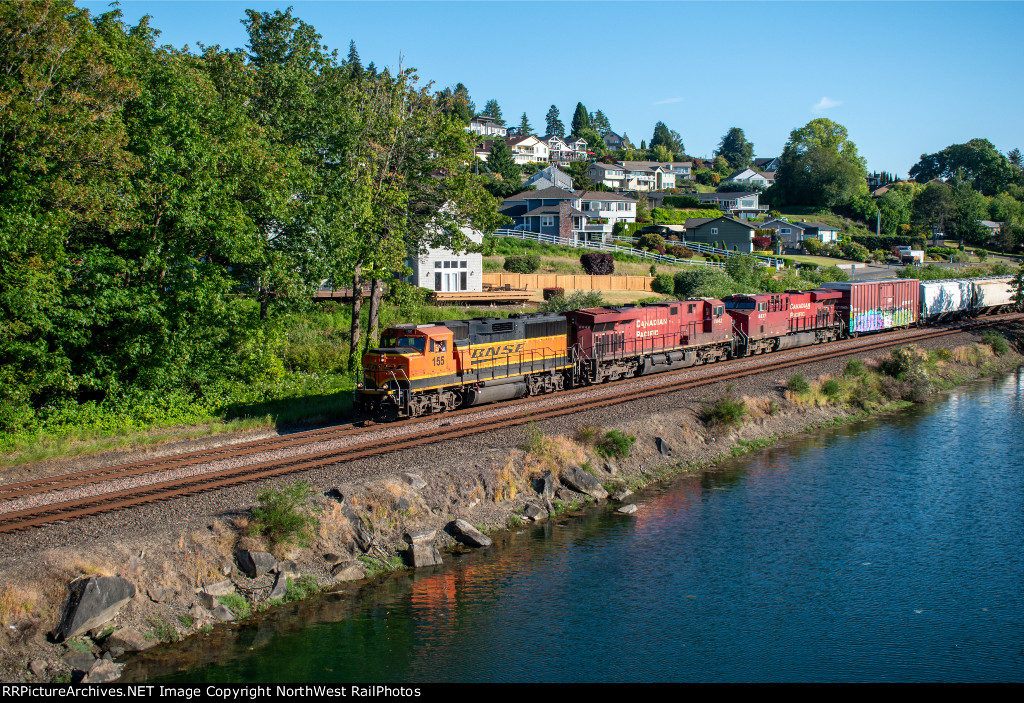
628, 509
419, 555
223, 613
288, 568
280, 586
544, 485
128, 640
414, 480
420, 536
90, 603
255, 564
103, 671
80, 661
207, 600
160, 594
37, 667
221, 588
622, 495
579, 480
468, 535
663, 447
348, 572
534, 512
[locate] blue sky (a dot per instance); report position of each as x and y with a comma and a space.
904, 78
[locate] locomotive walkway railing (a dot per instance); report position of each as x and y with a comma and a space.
601, 246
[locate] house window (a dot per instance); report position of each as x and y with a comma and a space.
447, 264
463, 264
547, 221
462, 280
437, 264
785, 230
714, 230
437, 281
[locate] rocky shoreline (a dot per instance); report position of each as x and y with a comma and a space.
71, 609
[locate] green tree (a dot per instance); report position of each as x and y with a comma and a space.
1017, 287
600, 124
981, 164
735, 149
555, 128
456, 103
819, 166
507, 174
932, 207
594, 142
969, 209
355, 67
580, 119
895, 206
493, 110
667, 138
525, 128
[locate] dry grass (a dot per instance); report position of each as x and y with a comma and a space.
552, 454
17, 602
972, 354
509, 482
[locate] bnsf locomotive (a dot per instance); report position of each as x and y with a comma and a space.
445, 365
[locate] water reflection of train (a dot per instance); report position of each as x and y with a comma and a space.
441, 366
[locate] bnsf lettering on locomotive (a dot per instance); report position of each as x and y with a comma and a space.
498, 350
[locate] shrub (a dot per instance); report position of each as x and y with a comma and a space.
597, 264
813, 246
855, 368
651, 241
663, 283
614, 445
587, 435
798, 384
681, 252
577, 301
727, 411
856, 252
284, 515
831, 389
524, 263
710, 282
997, 342
237, 604
681, 201
762, 243
550, 293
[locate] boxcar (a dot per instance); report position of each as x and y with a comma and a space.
991, 294
615, 342
872, 306
946, 299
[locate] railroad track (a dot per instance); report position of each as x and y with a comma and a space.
180, 487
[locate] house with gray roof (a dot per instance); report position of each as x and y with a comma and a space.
550, 177
792, 233
725, 232
743, 205
569, 214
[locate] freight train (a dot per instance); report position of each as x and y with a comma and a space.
442, 366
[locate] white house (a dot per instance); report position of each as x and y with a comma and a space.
749, 175
486, 127
528, 149
569, 214
441, 269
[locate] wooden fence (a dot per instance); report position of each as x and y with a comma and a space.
537, 281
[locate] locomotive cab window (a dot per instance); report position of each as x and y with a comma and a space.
719, 309
438, 345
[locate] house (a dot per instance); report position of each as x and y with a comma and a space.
566, 150
993, 228
743, 205
725, 231
770, 164
550, 177
569, 214
614, 141
792, 233
486, 126
528, 149
749, 175
441, 269
611, 175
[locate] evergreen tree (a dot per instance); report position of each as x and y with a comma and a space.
355, 67
554, 125
600, 124
643, 145
506, 172
525, 128
667, 138
580, 119
735, 149
493, 110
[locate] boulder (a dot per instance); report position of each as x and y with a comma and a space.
468, 535
579, 480
199, 614
90, 603
287, 567
544, 485
534, 512
663, 447
37, 667
611, 468
335, 494
255, 564
81, 661
414, 480
401, 504
419, 555
348, 572
420, 536
160, 594
103, 671
627, 509
223, 613
128, 640
114, 652
564, 494
227, 567
221, 588
332, 558
207, 600
620, 496
280, 586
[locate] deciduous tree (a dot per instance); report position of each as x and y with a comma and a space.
820, 166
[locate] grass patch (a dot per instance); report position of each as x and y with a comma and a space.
515, 521
832, 390
285, 516
726, 412
301, 588
376, 566
237, 604
78, 644
163, 631
996, 341
798, 384
187, 621
614, 445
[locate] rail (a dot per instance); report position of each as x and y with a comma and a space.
600, 246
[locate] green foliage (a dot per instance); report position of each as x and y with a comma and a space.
284, 516
527, 263
237, 604
820, 166
856, 252
980, 163
301, 588
587, 435
831, 389
577, 301
163, 631
614, 445
997, 342
855, 368
726, 412
651, 241
798, 384
705, 282
745, 270
735, 149
873, 242
553, 124
681, 201
663, 283
187, 621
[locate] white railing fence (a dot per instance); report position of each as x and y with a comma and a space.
600, 246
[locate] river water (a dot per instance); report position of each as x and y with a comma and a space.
888, 550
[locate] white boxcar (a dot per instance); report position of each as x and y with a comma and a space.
946, 299
991, 294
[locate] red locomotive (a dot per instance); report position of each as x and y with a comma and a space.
768, 322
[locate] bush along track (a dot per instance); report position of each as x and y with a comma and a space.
302, 537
